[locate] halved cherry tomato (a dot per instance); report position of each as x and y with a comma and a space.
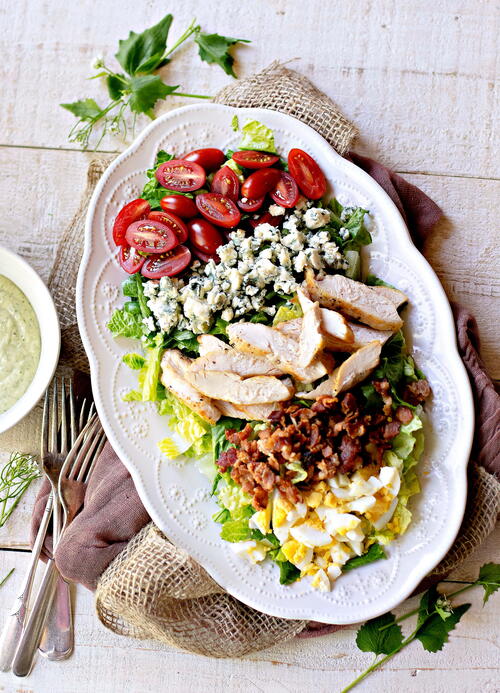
181, 205
307, 174
250, 159
218, 209
286, 193
210, 159
130, 260
204, 257
265, 218
226, 183
133, 211
180, 175
173, 222
151, 236
261, 182
204, 236
249, 205
167, 264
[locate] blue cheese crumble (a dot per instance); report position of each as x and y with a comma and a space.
272, 259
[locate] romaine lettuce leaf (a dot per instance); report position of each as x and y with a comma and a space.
185, 422
257, 136
289, 311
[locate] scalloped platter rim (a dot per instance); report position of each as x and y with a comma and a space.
177, 497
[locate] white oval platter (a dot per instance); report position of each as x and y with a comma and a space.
178, 497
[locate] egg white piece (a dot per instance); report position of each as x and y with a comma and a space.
321, 582
389, 476
386, 517
255, 550
310, 536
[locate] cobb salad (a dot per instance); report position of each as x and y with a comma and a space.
284, 375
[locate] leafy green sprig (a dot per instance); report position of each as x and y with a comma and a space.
15, 477
436, 618
6, 577
138, 87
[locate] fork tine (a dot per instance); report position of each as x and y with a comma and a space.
45, 424
96, 457
53, 419
64, 421
72, 415
86, 437
91, 456
82, 420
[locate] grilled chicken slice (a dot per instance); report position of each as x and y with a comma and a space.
230, 387
324, 388
364, 335
174, 365
395, 296
337, 332
311, 340
208, 343
249, 412
235, 361
356, 367
355, 299
280, 349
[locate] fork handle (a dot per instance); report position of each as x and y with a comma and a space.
58, 639
13, 626
25, 654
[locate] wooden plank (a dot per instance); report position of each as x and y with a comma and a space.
102, 660
417, 78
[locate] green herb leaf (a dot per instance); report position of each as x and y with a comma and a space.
143, 53
125, 324
489, 578
433, 632
288, 572
374, 553
370, 637
235, 124
146, 90
134, 361
4, 579
85, 109
15, 477
214, 48
373, 280
257, 136
117, 84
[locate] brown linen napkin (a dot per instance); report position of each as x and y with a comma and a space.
153, 589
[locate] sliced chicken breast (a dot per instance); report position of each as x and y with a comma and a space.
337, 331
235, 361
230, 387
355, 299
280, 349
356, 368
395, 296
209, 343
249, 412
324, 388
173, 379
291, 328
364, 335
311, 339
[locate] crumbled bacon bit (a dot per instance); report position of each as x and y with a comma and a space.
417, 392
404, 415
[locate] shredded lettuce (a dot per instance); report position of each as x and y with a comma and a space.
134, 361
288, 311
232, 497
257, 136
183, 421
300, 472
149, 375
169, 448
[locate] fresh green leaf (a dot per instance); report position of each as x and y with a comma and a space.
183, 420
288, 572
300, 472
433, 632
134, 361
117, 84
85, 109
257, 137
353, 270
222, 516
372, 280
124, 324
143, 53
129, 286
132, 396
151, 375
146, 90
372, 398
489, 578
6, 577
15, 478
380, 635
235, 124
143, 304
261, 317
235, 530
288, 311
214, 48
374, 553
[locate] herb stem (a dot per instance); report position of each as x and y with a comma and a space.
190, 30
4, 580
192, 96
379, 663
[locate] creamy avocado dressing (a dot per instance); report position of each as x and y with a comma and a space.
19, 343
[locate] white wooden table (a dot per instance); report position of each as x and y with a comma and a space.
419, 79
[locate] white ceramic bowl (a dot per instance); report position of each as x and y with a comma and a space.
25, 277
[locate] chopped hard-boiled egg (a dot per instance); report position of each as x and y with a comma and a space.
310, 534
262, 519
297, 553
255, 550
320, 581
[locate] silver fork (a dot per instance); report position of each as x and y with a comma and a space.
79, 464
57, 641
14, 624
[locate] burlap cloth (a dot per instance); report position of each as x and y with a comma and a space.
152, 589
